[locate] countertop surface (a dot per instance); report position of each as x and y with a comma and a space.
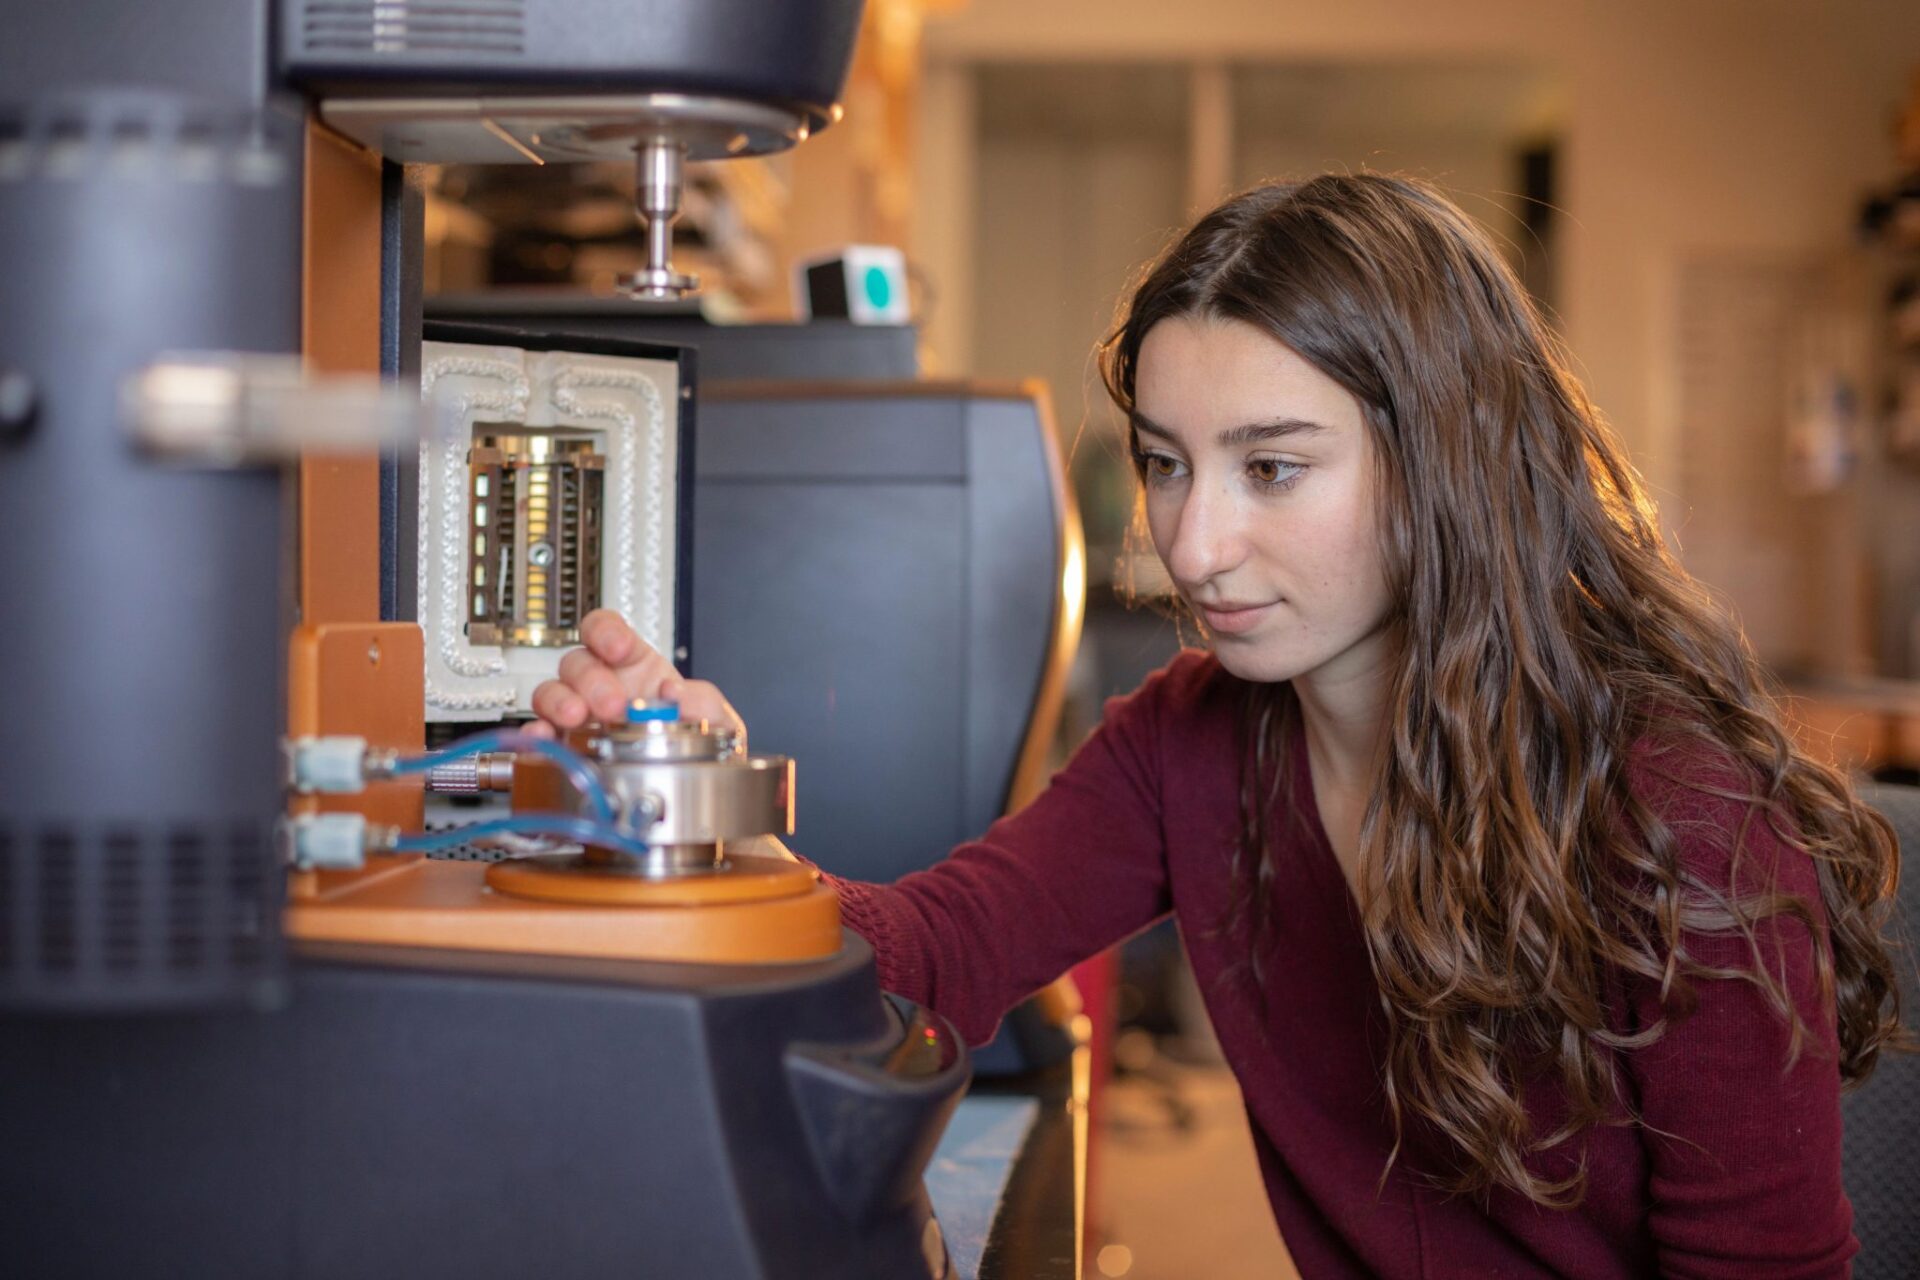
1005, 1179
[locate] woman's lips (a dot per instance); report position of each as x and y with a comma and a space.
1236, 620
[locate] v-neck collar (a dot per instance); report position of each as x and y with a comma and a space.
1320, 859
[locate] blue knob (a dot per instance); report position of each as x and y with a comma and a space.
640, 711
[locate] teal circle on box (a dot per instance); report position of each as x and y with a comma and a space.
879, 288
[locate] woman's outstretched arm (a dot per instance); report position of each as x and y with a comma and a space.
1080, 868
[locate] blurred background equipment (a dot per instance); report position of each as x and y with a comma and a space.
864, 283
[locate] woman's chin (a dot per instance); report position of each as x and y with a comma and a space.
1249, 662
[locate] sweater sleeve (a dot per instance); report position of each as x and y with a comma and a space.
1078, 869
1743, 1137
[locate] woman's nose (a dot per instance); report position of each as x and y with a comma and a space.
1207, 539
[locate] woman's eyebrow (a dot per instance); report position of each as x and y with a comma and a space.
1272, 429
1248, 433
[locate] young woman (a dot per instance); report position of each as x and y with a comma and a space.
1536, 946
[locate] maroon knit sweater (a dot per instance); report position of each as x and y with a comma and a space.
1734, 1170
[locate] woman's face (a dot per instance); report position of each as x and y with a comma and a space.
1260, 497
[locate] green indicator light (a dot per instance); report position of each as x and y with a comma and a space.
879, 288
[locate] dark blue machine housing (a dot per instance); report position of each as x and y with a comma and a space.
419, 1114
143, 600
791, 52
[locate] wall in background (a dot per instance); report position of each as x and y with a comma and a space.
1723, 126
1736, 123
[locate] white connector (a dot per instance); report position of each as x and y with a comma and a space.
331, 766
329, 841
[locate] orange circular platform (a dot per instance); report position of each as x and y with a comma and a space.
427, 902
570, 878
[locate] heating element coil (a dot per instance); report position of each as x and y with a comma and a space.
533, 571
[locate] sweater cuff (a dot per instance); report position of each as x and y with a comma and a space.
871, 910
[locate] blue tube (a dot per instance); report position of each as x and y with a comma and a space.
577, 770
534, 824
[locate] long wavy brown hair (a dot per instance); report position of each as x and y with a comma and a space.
1511, 878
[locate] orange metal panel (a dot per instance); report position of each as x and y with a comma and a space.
362, 679
340, 333
348, 673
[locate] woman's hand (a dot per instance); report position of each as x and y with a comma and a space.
614, 667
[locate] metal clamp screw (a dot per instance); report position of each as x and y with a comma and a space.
646, 810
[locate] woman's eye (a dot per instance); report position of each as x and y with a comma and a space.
1158, 466
1273, 473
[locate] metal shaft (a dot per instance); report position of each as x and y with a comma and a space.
659, 184
660, 188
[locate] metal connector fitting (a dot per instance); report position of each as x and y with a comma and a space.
326, 766
490, 771
381, 764
334, 841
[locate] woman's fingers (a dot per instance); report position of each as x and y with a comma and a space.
559, 706
609, 639
612, 639
592, 683
606, 690
576, 663
614, 667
